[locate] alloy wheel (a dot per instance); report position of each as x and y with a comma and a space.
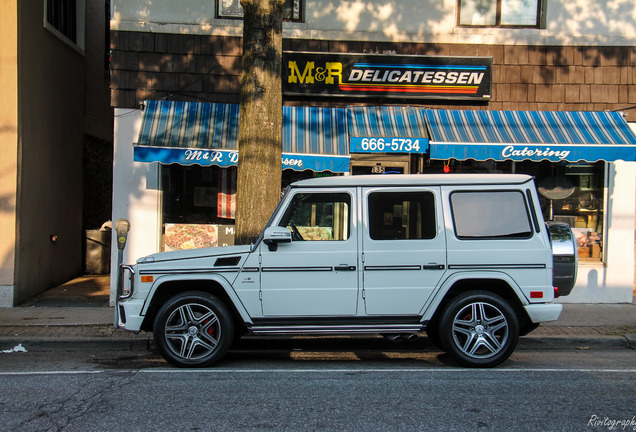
192, 331
480, 330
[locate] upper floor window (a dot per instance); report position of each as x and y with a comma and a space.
501, 13
62, 15
65, 19
292, 9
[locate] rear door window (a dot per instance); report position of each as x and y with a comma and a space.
492, 214
402, 216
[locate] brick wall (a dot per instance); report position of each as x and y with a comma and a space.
207, 68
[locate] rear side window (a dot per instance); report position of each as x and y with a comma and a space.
402, 216
493, 214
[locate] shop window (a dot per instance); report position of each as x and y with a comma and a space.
198, 206
501, 13
290, 176
318, 216
292, 9
497, 214
573, 193
402, 216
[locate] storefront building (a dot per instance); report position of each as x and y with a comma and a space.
559, 113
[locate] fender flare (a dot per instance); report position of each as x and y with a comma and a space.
195, 276
433, 306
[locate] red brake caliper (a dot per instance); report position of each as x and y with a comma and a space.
210, 330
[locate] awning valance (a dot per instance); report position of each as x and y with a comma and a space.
191, 133
387, 129
530, 135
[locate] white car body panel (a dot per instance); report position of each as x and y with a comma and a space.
361, 278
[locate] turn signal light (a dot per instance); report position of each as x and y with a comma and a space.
536, 294
147, 278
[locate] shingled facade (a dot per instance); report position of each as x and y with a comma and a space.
548, 78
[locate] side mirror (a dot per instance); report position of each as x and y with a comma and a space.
276, 234
122, 226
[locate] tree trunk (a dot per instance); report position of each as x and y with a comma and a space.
261, 118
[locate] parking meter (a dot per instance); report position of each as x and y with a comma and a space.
122, 226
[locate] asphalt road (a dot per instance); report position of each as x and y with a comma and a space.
317, 384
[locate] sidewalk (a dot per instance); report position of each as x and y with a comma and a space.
75, 312
79, 312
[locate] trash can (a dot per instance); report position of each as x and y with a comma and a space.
97, 252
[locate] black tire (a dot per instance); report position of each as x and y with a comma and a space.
193, 329
479, 329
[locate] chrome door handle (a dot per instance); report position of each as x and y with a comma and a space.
344, 267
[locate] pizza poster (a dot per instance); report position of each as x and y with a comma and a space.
195, 236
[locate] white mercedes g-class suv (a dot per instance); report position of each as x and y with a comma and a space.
466, 258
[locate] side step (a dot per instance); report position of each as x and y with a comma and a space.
338, 329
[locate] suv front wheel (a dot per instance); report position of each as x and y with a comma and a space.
193, 329
478, 329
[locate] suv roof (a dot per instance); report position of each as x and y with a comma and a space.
414, 180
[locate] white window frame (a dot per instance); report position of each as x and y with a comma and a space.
539, 22
298, 13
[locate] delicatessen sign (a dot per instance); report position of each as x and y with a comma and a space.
391, 76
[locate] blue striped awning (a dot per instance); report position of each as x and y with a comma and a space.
387, 129
191, 133
530, 135
312, 133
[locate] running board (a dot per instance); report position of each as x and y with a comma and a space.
338, 329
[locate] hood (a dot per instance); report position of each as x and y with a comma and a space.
195, 254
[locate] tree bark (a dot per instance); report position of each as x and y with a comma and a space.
261, 118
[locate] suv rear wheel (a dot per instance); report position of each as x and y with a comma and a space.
193, 329
478, 329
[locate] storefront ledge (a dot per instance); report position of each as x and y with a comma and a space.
592, 264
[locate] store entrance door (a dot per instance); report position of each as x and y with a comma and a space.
368, 164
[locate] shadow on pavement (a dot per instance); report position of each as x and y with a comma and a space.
84, 291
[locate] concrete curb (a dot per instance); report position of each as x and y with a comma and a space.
125, 341
78, 344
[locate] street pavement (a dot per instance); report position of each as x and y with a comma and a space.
79, 312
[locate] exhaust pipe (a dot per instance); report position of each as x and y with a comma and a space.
398, 338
